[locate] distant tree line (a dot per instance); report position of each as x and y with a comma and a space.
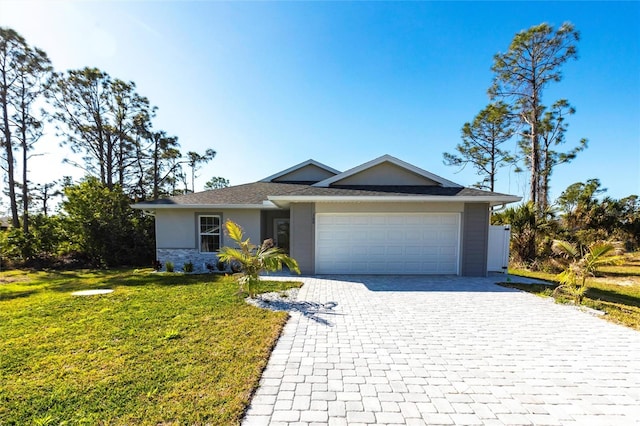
108, 125
518, 129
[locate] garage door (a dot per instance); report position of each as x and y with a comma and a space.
421, 243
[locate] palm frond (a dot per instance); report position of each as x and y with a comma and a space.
235, 231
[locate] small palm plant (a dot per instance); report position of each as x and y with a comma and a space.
253, 259
580, 263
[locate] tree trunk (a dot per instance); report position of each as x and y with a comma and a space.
8, 145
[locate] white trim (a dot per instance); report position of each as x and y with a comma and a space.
387, 159
264, 206
200, 234
284, 200
300, 166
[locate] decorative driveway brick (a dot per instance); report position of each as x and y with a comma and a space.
444, 350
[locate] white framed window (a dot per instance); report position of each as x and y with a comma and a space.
209, 232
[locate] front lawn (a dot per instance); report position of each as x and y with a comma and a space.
160, 349
615, 291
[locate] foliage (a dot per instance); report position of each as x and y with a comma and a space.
216, 183
481, 142
610, 292
105, 227
529, 229
195, 161
588, 219
253, 259
169, 266
23, 71
188, 267
160, 349
533, 60
579, 263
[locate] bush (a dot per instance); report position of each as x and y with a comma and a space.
168, 266
188, 267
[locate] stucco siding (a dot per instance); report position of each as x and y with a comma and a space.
303, 236
175, 229
475, 239
177, 235
406, 207
249, 220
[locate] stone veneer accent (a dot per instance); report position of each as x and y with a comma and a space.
181, 256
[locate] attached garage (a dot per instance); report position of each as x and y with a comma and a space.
387, 243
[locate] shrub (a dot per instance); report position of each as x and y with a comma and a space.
168, 266
188, 267
253, 259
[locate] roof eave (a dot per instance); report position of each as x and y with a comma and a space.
264, 206
493, 200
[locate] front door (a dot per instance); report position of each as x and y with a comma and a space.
281, 237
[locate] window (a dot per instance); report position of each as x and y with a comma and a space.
209, 234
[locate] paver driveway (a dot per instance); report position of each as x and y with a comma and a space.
444, 350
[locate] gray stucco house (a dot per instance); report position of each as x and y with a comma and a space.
382, 217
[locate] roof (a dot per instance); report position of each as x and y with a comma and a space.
301, 166
387, 159
270, 194
250, 195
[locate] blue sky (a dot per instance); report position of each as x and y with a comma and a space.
271, 84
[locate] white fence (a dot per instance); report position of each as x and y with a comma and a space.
498, 255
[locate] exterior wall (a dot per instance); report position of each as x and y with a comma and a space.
303, 236
177, 235
175, 229
181, 256
406, 207
310, 173
386, 174
475, 239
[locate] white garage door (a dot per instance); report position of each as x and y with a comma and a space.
421, 243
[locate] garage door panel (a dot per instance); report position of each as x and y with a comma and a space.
387, 243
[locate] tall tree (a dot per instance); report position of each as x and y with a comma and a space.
553, 126
195, 161
155, 152
552, 132
481, 143
534, 60
216, 183
22, 73
97, 115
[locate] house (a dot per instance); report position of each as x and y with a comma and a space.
385, 216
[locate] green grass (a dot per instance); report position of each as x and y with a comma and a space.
615, 291
161, 349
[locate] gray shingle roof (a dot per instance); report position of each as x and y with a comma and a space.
259, 192
250, 193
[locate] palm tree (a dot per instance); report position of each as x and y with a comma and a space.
253, 259
580, 263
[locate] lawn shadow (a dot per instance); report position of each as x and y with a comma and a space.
612, 296
126, 278
16, 295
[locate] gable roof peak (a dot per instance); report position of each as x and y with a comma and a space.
392, 160
292, 169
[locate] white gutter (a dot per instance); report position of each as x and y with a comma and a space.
152, 207
493, 200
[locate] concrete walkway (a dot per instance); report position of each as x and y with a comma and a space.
445, 350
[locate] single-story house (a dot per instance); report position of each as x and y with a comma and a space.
385, 216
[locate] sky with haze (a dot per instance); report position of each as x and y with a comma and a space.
272, 84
